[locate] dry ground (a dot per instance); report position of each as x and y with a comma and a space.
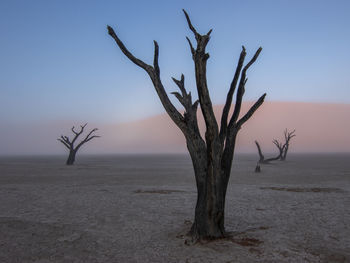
138, 209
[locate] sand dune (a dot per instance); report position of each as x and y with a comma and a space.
320, 127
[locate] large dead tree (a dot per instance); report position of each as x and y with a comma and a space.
70, 143
262, 157
287, 137
211, 156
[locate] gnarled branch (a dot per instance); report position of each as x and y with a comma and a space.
251, 111
127, 53
154, 74
88, 138
241, 90
230, 93
200, 58
184, 98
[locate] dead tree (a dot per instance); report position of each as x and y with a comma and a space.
211, 156
70, 143
262, 157
287, 137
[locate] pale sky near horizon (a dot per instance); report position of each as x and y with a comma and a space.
57, 61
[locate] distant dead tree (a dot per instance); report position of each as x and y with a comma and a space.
287, 137
70, 143
262, 157
211, 157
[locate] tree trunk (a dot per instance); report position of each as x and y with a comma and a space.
261, 156
210, 210
284, 155
210, 206
71, 157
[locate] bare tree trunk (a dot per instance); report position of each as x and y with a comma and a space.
211, 157
71, 157
261, 156
209, 212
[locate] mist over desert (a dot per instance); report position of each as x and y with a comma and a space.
133, 201
320, 127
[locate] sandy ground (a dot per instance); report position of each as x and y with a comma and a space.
138, 208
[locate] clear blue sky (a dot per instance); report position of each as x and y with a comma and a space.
57, 61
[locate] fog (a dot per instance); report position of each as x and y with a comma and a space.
320, 127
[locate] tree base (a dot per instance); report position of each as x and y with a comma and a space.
197, 234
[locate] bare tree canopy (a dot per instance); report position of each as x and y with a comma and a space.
70, 143
287, 137
211, 156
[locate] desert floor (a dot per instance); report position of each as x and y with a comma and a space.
137, 208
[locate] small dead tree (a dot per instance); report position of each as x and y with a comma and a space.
262, 157
287, 137
211, 156
70, 143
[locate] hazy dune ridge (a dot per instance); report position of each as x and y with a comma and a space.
320, 127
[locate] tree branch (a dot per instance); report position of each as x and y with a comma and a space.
64, 143
190, 24
289, 135
66, 139
241, 89
126, 52
184, 98
251, 111
77, 134
230, 93
193, 51
154, 74
87, 138
156, 56
200, 60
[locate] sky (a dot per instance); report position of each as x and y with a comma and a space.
57, 61
59, 67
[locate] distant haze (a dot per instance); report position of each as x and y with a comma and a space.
320, 127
